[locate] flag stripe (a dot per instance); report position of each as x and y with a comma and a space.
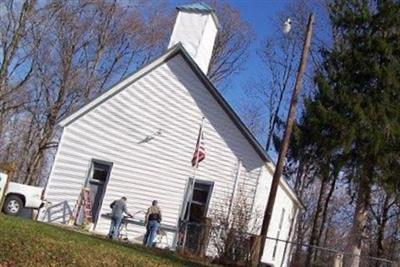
200, 151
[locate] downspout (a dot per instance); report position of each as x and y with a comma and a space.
235, 185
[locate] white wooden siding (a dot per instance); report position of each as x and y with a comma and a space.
172, 99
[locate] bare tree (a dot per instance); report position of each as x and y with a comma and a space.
16, 45
252, 114
279, 54
392, 247
231, 45
383, 210
281, 68
232, 229
326, 190
84, 47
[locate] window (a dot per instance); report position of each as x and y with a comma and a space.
100, 171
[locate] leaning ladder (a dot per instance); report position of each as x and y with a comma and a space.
83, 202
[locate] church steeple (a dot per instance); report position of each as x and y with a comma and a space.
196, 28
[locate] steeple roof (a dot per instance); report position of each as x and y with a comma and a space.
196, 7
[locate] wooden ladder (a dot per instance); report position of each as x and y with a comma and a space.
83, 202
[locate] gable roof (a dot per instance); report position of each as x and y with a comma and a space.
173, 51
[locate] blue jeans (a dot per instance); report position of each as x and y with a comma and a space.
151, 233
114, 227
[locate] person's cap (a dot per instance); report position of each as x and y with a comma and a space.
124, 198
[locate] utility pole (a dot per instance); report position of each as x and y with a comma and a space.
286, 136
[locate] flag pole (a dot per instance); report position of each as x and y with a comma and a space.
193, 183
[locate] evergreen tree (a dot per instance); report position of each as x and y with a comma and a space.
355, 113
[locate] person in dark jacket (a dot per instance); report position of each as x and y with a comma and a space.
152, 223
118, 209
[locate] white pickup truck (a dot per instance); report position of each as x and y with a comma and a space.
19, 196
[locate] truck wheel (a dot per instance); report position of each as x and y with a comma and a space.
13, 205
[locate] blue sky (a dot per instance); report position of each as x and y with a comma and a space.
259, 14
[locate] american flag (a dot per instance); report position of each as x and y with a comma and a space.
200, 151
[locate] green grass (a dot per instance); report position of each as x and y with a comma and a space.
29, 243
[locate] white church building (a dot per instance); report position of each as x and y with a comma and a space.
137, 140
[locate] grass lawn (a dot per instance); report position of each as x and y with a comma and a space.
28, 243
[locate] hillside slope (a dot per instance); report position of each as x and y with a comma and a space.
25, 242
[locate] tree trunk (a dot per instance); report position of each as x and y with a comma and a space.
300, 186
324, 215
299, 176
381, 229
10, 51
360, 218
314, 238
34, 167
394, 245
